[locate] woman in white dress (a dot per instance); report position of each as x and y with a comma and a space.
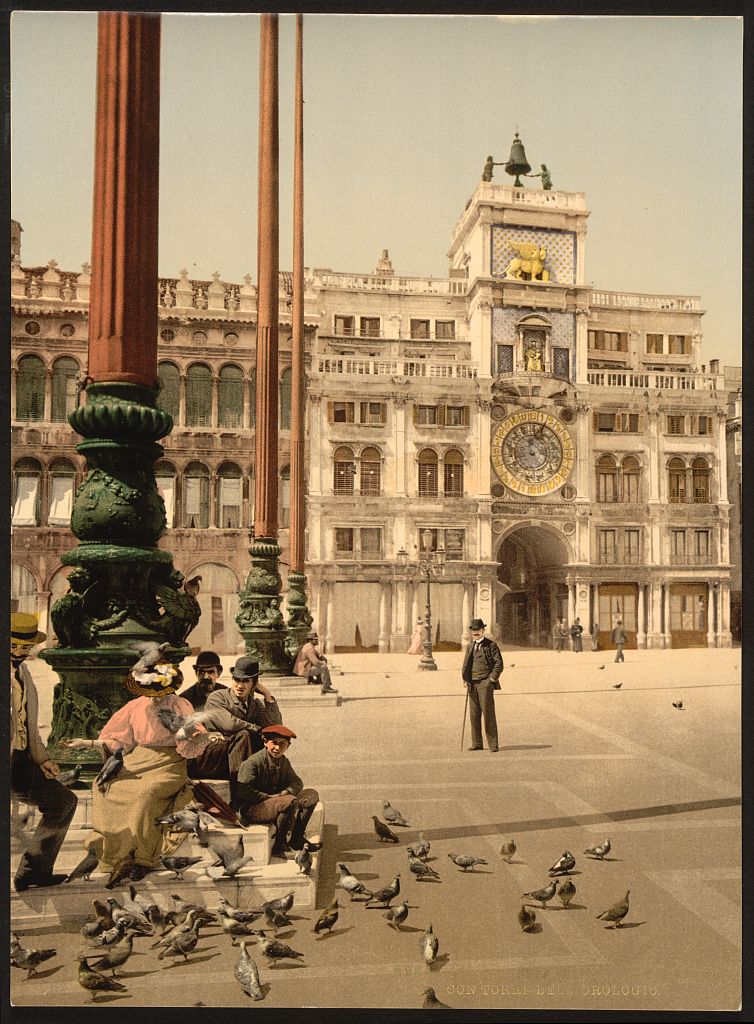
415, 647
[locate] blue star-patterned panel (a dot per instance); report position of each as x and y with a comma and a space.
505, 318
560, 258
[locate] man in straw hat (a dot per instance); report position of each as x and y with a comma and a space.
481, 671
33, 775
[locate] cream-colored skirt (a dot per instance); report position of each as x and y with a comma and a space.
151, 783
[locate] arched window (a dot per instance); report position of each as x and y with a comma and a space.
252, 397
30, 388
284, 498
23, 590
230, 397
199, 396
370, 466
700, 481
65, 372
62, 479
285, 399
196, 496
607, 479
631, 477
428, 472
27, 474
677, 481
229, 484
165, 477
169, 395
344, 470
453, 474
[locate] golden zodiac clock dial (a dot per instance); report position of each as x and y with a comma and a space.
532, 453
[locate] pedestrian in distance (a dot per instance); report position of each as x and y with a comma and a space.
415, 647
620, 639
559, 635
576, 630
481, 671
595, 634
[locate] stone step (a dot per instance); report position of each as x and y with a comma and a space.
309, 696
70, 903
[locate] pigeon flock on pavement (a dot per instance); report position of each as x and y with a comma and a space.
116, 924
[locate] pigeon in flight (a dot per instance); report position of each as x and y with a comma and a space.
150, 655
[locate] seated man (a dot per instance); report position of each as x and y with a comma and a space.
313, 665
269, 791
237, 716
208, 669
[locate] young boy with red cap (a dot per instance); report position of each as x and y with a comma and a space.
269, 791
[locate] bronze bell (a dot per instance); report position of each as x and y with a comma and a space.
517, 163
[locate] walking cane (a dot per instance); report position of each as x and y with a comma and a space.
465, 706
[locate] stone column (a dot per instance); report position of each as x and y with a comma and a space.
214, 417
299, 617
399, 404
571, 602
725, 639
711, 637
246, 414
123, 587
641, 635
722, 464
584, 462
466, 615
383, 641
667, 638
214, 498
654, 456
47, 412
259, 617
329, 616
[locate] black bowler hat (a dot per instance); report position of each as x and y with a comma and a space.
477, 624
208, 659
245, 668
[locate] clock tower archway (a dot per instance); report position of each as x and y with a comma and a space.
531, 578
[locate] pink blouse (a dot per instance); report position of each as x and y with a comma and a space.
138, 723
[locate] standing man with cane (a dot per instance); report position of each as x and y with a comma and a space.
481, 671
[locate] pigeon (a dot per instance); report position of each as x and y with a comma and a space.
385, 834
397, 915
183, 906
110, 936
128, 919
191, 587
304, 859
600, 666
275, 950
232, 867
247, 974
422, 848
419, 869
70, 777
566, 892
179, 864
28, 959
226, 852
617, 686
94, 982
543, 895
85, 867
601, 851
678, 705
431, 1002
184, 728
182, 928
275, 919
245, 916
187, 820
564, 865
351, 884
616, 913
123, 870
327, 918
512, 665
140, 903
117, 955
429, 946
170, 719
91, 929
235, 928
184, 942
527, 919
151, 655
282, 905
102, 914
392, 815
388, 893
465, 861
109, 770
507, 850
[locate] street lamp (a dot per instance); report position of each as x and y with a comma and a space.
431, 565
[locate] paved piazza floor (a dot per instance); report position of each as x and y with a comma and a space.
580, 761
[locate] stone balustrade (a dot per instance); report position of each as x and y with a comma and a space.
652, 380
641, 300
341, 365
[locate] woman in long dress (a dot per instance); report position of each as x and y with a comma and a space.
153, 781
415, 647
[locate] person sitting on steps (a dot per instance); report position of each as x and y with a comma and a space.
313, 665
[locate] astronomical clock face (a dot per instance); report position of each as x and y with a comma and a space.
532, 453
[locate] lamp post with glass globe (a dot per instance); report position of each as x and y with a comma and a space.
431, 565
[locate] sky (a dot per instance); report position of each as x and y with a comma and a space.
642, 114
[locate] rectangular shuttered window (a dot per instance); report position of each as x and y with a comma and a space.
26, 505
371, 543
61, 500
445, 330
230, 503
166, 490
